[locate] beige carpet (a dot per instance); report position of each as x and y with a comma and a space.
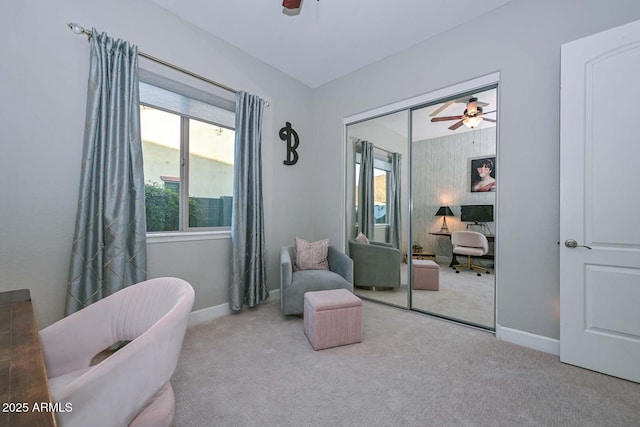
256, 368
464, 296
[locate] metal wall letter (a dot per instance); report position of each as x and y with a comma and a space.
285, 134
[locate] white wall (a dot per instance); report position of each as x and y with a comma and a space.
522, 41
43, 82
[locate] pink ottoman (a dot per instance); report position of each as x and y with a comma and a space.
332, 318
426, 275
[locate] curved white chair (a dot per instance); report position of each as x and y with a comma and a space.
470, 244
131, 387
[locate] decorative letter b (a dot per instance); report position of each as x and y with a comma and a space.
285, 134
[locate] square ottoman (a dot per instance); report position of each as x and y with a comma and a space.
426, 275
332, 318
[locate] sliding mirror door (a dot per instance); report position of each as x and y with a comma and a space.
453, 189
377, 206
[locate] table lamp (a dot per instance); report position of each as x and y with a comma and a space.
444, 212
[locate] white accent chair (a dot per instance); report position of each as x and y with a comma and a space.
470, 244
130, 387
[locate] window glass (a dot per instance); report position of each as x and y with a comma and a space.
161, 156
381, 197
188, 153
211, 151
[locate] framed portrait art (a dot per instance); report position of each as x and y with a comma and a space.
483, 174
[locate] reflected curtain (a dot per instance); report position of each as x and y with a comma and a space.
366, 201
394, 201
249, 285
109, 246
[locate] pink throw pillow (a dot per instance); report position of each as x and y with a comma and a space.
311, 256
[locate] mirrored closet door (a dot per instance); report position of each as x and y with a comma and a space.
421, 203
453, 195
378, 206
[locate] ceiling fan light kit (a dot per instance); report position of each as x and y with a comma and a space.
471, 117
472, 122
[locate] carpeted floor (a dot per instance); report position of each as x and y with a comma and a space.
256, 368
464, 296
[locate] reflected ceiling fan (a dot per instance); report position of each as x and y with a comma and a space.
472, 116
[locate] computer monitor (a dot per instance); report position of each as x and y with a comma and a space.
476, 213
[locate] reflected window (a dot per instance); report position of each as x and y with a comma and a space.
381, 176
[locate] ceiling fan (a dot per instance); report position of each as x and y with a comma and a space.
472, 116
450, 102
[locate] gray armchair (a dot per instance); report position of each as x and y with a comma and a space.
375, 264
293, 284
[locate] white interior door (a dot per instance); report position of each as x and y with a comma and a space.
600, 203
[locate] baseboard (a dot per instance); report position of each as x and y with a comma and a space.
211, 313
527, 339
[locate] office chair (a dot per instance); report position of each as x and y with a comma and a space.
470, 244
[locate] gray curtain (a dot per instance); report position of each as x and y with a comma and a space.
394, 201
109, 244
366, 201
247, 220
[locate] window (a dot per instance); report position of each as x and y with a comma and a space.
381, 196
381, 176
188, 151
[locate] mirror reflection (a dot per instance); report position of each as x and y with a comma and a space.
454, 184
377, 217
446, 161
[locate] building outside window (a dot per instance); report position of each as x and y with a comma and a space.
188, 154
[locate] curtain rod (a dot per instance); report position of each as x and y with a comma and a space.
356, 140
81, 30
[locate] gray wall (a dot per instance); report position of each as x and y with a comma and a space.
522, 41
44, 72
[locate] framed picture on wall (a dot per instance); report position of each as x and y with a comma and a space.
483, 174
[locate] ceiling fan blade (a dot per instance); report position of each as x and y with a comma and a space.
489, 112
442, 108
482, 104
444, 118
490, 120
456, 125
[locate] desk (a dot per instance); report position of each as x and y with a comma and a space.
23, 379
454, 261
423, 255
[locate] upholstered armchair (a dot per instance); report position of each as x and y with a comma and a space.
293, 284
130, 387
376, 265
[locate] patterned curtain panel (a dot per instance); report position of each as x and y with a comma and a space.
366, 202
247, 219
394, 200
109, 244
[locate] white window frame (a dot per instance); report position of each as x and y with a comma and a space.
188, 103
